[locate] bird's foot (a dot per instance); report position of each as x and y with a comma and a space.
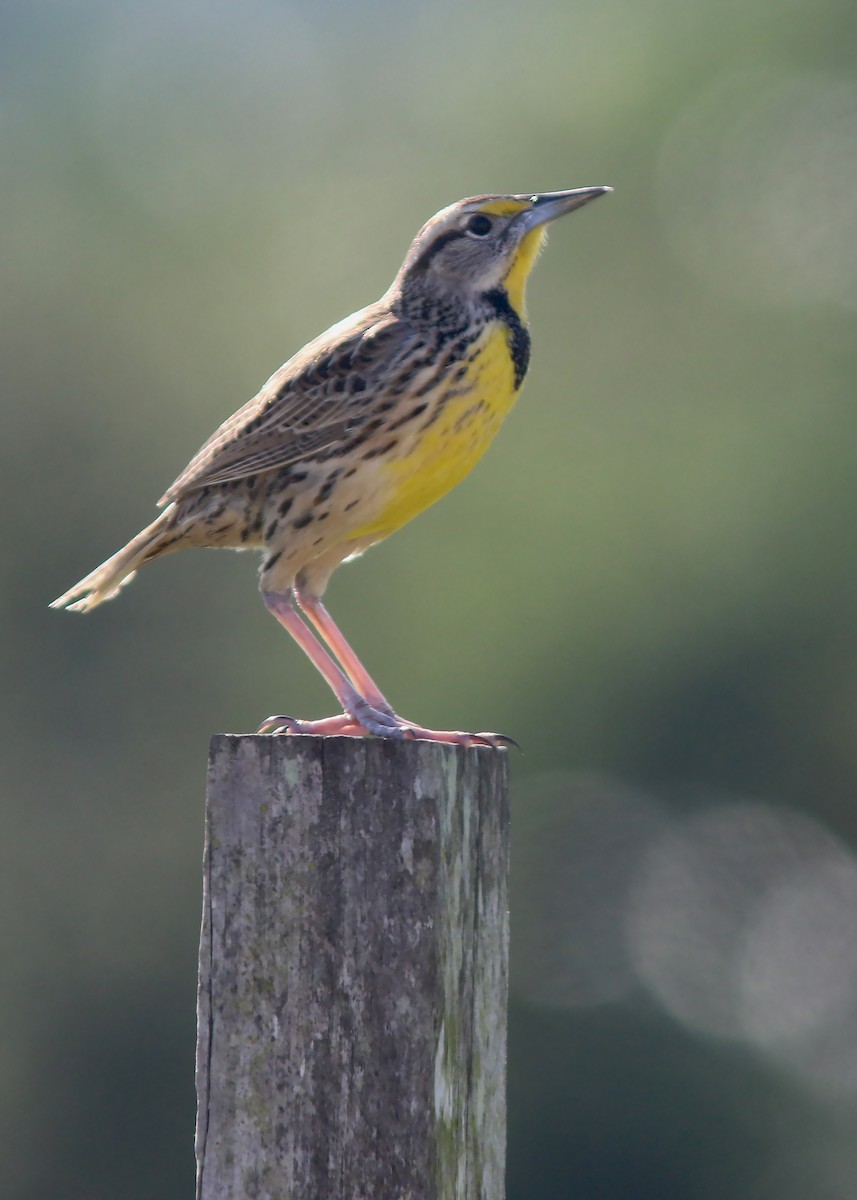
342, 726
457, 737
365, 720
377, 723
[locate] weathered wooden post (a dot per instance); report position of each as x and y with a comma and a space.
353, 971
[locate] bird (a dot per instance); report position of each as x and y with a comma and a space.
360, 431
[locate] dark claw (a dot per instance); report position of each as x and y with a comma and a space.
497, 740
280, 724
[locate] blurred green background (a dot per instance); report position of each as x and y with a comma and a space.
651, 580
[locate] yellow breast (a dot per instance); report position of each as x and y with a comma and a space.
433, 460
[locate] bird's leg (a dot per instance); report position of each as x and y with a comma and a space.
366, 687
341, 648
359, 716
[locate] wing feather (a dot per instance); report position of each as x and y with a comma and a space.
306, 406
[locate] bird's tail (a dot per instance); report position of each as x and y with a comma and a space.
105, 581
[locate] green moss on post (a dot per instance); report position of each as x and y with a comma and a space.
353, 971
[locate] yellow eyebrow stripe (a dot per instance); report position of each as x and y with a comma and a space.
503, 208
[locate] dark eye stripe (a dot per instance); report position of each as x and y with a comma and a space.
431, 250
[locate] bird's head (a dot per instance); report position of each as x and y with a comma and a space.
486, 242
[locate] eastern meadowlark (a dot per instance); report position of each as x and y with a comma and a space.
362, 429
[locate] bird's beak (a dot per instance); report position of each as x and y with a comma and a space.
547, 206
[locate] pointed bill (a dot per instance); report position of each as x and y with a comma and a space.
547, 206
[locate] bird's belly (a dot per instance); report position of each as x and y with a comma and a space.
453, 436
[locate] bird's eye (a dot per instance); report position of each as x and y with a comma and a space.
479, 225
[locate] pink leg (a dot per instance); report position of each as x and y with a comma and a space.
368, 690
336, 640
360, 716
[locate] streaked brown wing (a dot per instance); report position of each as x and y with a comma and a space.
271, 456
306, 406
